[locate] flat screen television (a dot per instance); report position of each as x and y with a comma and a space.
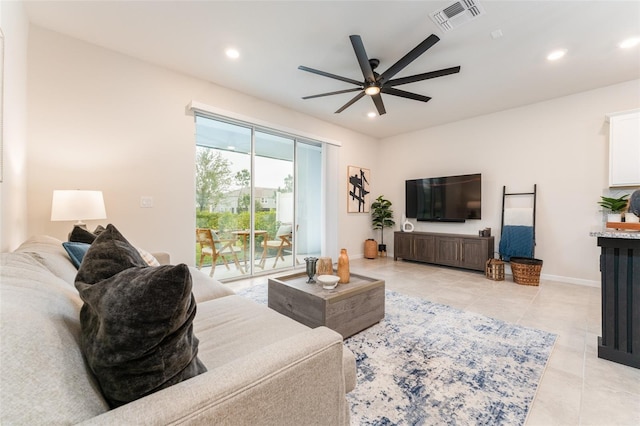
444, 199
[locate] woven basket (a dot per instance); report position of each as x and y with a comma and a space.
526, 270
370, 249
494, 270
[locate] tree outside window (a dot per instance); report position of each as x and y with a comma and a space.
213, 178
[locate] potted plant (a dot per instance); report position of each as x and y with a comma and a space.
615, 205
382, 217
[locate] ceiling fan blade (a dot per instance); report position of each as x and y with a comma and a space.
377, 100
326, 74
333, 93
351, 102
363, 60
403, 94
409, 57
425, 76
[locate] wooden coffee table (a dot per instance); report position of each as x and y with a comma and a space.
347, 309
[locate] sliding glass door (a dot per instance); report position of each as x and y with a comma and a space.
273, 206
247, 198
223, 188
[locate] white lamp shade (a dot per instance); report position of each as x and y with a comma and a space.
77, 205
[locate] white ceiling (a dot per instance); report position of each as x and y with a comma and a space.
274, 38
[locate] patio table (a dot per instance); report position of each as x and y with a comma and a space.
243, 236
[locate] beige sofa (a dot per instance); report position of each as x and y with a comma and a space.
263, 368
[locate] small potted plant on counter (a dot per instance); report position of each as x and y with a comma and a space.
615, 205
382, 217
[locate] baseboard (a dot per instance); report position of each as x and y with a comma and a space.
559, 278
569, 280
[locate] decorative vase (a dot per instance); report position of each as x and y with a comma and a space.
370, 249
325, 266
406, 225
311, 268
343, 267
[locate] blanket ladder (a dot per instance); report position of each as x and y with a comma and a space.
533, 194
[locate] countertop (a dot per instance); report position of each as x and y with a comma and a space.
612, 233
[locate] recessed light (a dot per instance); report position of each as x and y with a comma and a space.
371, 114
630, 42
232, 53
556, 54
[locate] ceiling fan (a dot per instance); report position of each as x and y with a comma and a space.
374, 84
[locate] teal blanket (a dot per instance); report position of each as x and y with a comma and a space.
516, 241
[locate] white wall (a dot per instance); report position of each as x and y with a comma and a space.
102, 120
13, 189
561, 145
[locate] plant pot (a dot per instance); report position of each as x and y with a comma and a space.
614, 217
370, 249
382, 250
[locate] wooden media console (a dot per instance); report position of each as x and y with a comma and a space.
462, 251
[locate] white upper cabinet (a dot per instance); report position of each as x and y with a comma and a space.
624, 148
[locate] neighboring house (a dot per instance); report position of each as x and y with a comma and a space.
265, 196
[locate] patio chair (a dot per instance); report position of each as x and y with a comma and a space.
211, 245
281, 243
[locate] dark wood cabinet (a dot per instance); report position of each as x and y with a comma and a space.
403, 247
462, 251
476, 252
620, 271
448, 251
425, 248
419, 247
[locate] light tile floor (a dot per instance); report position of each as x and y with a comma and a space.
577, 388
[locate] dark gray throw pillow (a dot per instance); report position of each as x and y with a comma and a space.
109, 254
137, 333
83, 235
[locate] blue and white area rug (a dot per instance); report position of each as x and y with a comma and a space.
431, 364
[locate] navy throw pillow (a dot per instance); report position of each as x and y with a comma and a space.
76, 252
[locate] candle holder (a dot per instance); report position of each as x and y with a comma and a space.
311, 268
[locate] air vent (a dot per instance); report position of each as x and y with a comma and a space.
456, 14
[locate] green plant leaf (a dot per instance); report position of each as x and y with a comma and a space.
381, 215
616, 205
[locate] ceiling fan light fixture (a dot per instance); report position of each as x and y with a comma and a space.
372, 90
374, 82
